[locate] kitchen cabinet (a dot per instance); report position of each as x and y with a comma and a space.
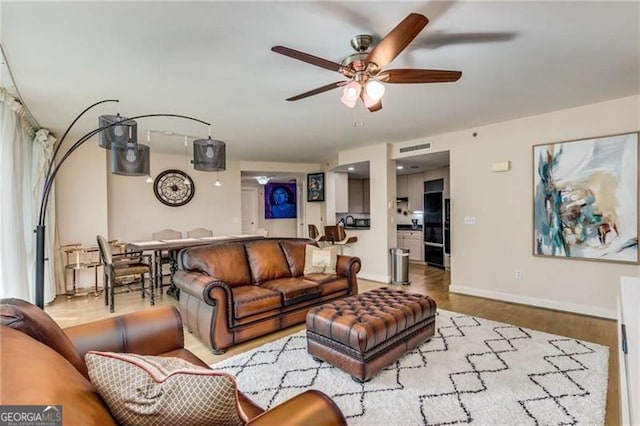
412, 241
356, 204
415, 186
358, 195
342, 192
402, 186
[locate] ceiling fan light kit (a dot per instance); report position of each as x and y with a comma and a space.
364, 69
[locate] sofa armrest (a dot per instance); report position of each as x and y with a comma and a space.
308, 408
149, 332
200, 285
349, 266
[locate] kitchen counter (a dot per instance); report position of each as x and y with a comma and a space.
408, 228
357, 228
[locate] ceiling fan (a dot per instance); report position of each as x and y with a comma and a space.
364, 69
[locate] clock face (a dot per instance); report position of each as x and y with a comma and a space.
174, 188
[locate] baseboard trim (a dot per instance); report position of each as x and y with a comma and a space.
534, 301
385, 279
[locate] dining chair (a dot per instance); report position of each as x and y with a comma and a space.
165, 256
120, 265
199, 233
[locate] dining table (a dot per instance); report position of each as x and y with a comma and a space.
156, 247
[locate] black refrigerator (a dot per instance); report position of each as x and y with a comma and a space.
433, 226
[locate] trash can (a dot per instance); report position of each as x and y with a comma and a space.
399, 266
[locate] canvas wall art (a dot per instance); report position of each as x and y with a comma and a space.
586, 199
280, 200
315, 187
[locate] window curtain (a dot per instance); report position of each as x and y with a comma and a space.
24, 154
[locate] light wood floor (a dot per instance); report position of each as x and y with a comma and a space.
425, 280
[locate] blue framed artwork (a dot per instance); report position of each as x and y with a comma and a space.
586, 199
280, 200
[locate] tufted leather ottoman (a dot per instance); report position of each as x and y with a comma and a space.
364, 333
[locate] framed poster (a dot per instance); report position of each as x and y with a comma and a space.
585, 203
280, 200
315, 187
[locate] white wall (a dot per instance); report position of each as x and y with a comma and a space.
135, 213
81, 195
373, 245
484, 256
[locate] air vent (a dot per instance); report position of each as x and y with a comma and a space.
416, 147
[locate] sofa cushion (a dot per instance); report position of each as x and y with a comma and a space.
294, 252
328, 283
35, 374
266, 260
251, 299
226, 262
158, 390
320, 260
293, 290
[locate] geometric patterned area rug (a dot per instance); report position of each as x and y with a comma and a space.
473, 370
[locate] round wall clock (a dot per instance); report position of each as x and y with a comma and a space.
173, 188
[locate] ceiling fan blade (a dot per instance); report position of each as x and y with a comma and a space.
319, 90
373, 108
397, 40
408, 75
376, 107
305, 57
438, 39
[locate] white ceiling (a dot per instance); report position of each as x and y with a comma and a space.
212, 60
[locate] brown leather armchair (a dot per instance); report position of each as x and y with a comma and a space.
44, 364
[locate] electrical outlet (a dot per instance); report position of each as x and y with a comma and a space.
469, 220
517, 274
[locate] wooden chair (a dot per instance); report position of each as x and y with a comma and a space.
199, 233
123, 265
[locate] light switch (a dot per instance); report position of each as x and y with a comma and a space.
470, 220
502, 166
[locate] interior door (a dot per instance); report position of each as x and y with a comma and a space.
249, 210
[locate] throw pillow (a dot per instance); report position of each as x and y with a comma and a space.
155, 390
320, 260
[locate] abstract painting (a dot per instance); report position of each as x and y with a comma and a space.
586, 199
280, 200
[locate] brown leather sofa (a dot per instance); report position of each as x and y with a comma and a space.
233, 292
41, 364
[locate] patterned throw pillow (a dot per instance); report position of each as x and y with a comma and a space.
320, 260
154, 390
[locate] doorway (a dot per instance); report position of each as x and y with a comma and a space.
249, 210
423, 210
